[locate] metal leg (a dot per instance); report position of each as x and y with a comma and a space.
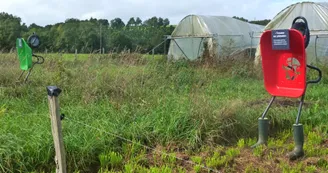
267, 109
29, 72
20, 75
300, 109
40, 60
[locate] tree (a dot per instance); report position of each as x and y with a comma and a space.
103, 22
94, 20
119, 41
152, 22
261, 22
35, 26
72, 20
240, 18
10, 30
160, 22
117, 23
138, 21
131, 22
166, 22
24, 28
84, 35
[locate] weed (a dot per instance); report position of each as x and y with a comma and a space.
104, 160
150, 102
288, 169
232, 153
198, 161
253, 169
251, 141
112, 159
258, 151
314, 138
310, 169
322, 163
170, 159
197, 168
217, 161
270, 155
182, 170
241, 143
129, 168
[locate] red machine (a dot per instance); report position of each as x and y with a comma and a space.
284, 71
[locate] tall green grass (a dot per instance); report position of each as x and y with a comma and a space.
153, 101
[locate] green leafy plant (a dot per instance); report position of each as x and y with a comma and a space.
270, 155
112, 159
314, 138
241, 143
251, 141
217, 162
310, 169
253, 169
116, 159
104, 159
197, 168
198, 161
232, 152
129, 168
258, 151
322, 163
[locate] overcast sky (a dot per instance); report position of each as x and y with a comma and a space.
43, 12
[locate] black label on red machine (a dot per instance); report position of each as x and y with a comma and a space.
280, 39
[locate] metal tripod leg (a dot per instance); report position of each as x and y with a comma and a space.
267, 109
29, 72
40, 60
300, 109
20, 75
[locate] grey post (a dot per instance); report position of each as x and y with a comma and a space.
56, 128
75, 55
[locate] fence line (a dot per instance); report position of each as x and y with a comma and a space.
144, 146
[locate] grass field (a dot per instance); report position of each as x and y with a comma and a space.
204, 114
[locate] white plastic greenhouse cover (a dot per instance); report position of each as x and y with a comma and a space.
220, 32
316, 15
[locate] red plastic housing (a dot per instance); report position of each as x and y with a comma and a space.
284, 71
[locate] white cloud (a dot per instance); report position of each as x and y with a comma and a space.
43, 12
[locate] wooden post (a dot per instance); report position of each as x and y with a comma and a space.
56, 128
153, 52
100, 39
75, 54
165, 39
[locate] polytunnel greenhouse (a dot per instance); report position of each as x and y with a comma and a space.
221, 35
316, 15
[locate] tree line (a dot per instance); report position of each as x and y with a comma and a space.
88, 35
91, 35
258, 22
